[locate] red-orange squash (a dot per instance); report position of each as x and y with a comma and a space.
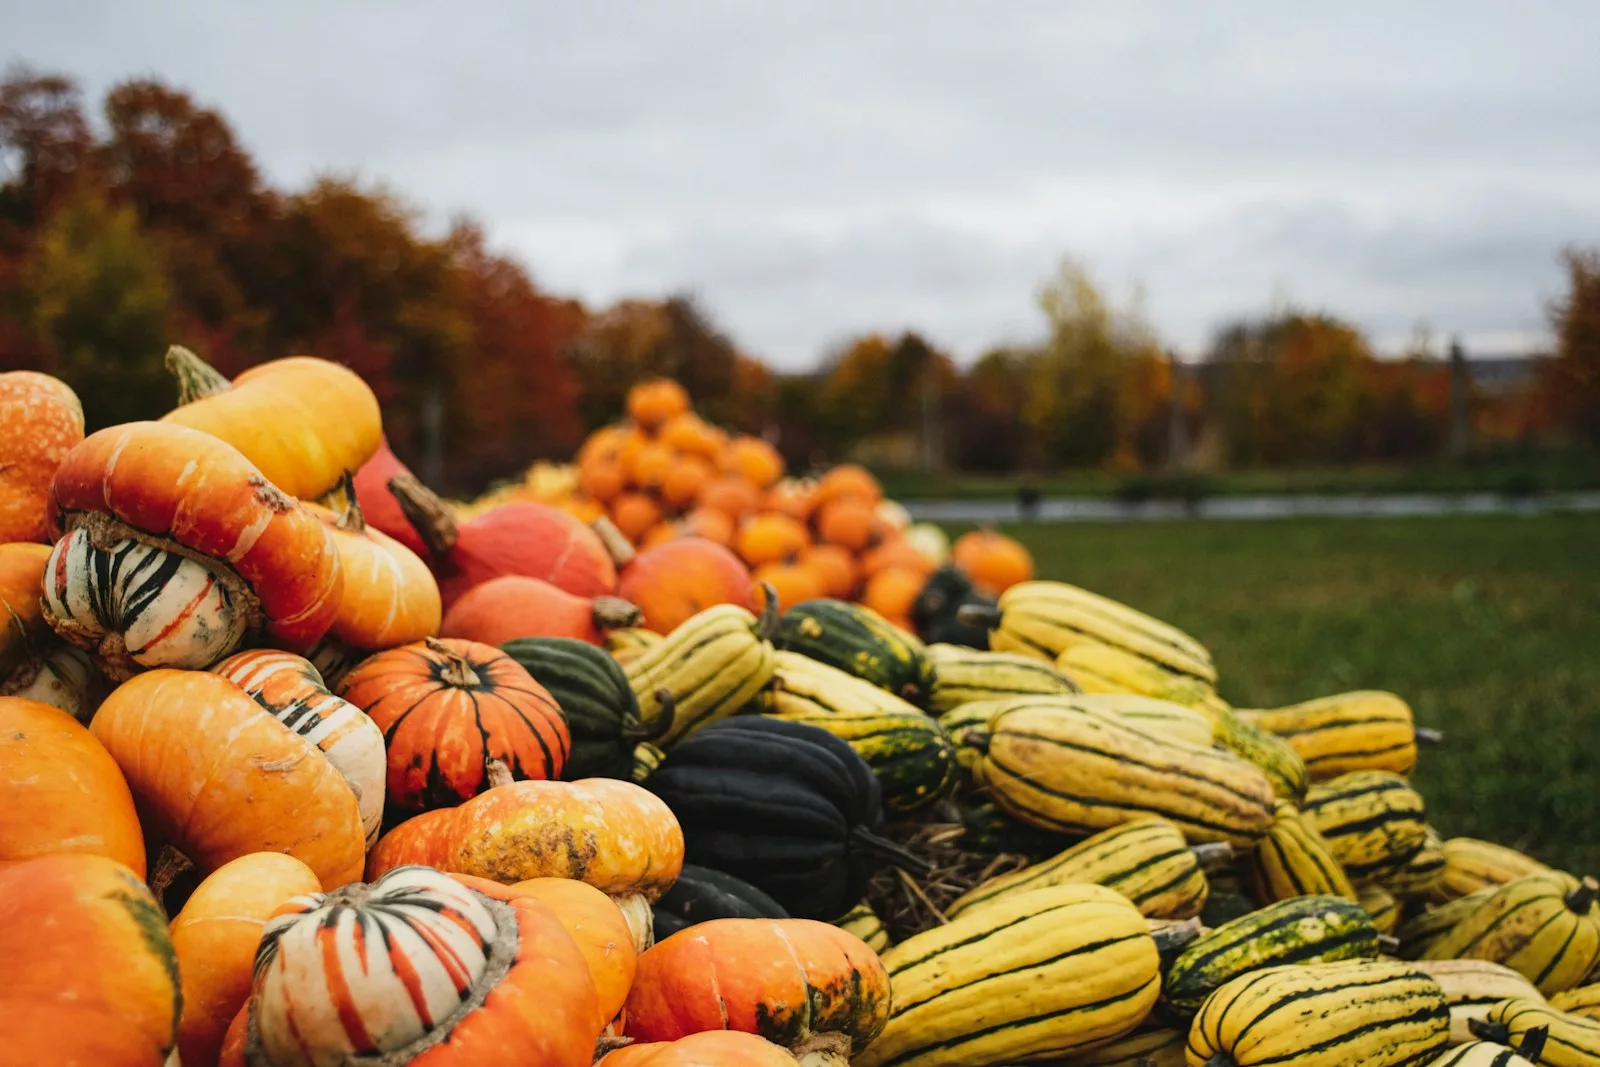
651, 403
446, 708
714, 1048
379, 506
634, 514
218, 776
174, 550
992, 560
302, 421
417, 968
60, 790
90, 977
892, 591
677, 579
512, 606
390, 597
43, 421
215, 938
805, 985
895, 551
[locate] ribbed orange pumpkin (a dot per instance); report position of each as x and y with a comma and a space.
512, 606
215, 938
847, 481
686, 481
218, 776
806, 985
446, 708
43, 421
715, 1048
992, 560
835, 567
892, 591
390, 597
731, 494
689, 435
770, 538
754, 459
60, 790
651, 403
176, 549
302, 421
418, 968
90, 977
794, 583
678, 579
849, 523
634, 513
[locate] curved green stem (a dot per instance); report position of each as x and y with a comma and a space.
889, 852
984, 615
767, 625
197, 379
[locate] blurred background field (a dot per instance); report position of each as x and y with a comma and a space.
1489, 626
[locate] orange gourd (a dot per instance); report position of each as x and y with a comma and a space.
506, 608
43, 421
302, 421
992, 560
660, 534
446, 708
892, 591
689, 435
731, 494
582, 508
677, 580
709, 523
806, 985
218, 777
686, 481
895, 551
175, 549
215, 938
649, 466
753, 459
634, 513
793, 583
796, 499
651, 403
770, 538
390, 597
90, 977
834, 567
379, 507
849, 482
420, 968
60, 790
602, 477
604, 443
713, 1048
849, 522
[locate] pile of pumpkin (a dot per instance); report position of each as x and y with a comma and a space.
277, 789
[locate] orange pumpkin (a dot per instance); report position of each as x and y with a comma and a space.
446, 708
219, 777
892, 591
796, 499
793, 583
604, 443
512, 606
686, 433
175, 550
634, 513
390, 597
806, 985
731, 494
709, 523
895, 551
60, 790
417, 968
849, 482
379, 507
770, 538
714, 1048
992, 560
651, 403
686, 481
754, 459
90, 977
215, 938
834, 567
849, 522
649, 466
582, 508
302, 421
43, 421
602, 477
676, 580
660, 534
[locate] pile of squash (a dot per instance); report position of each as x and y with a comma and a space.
302, 765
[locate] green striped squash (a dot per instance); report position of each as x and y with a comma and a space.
969, 675
646, 758
1382, 906
858, 641
1542, 1034
1422, 872
1148, 1046
1545, 927
1318, 929
1293, 860
862, 921
1367, 730
1418, 933
1373, 821
1481, 1054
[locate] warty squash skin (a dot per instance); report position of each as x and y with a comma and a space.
302, 421
710, 1048
90, 976
43, 420
390, 597
417, 968
218, 776
215, 938
175, 549
60, 790
805, 985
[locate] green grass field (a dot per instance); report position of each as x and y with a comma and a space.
1489, 626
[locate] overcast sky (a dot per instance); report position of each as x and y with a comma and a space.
815, 170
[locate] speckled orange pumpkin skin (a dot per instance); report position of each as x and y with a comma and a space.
42, 421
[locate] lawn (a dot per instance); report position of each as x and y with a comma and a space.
1489, 626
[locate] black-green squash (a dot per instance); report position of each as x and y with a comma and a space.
935, 612
701, 894
858, 641
600, 708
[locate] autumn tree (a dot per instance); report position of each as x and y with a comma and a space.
989, 430
45, 147
1573, 379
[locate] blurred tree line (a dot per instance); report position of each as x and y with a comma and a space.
149, 224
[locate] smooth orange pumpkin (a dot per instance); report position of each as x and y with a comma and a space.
634, 513
503, 609
709, 523
892, 591
793, 583
794, 498
60, 790
237, 557
390, 597
770, 538
650, 465
660, 534
848, 481
895, 551
446, 708
215, 937
302, 421
219, 777
43, 421
848, 522
604, 443
90, 976
714, 1048
806, 985
731, 494
689, 435
602, 477
676, 580
752, 458
651, 403
686, 481
835, 567
992, 560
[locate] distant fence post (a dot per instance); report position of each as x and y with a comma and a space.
1460, 386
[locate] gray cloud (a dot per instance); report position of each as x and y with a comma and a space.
815, 169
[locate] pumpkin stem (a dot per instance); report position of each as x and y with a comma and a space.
1533, 1043
1582, 898
197, 379
889, 852
426, 513
497, 773
1484, 1030
977, 739
1388, 944
1213, 855
614, 613
615, 541
767, 625
1175, 936
1426, 735
458, 672
609, 1042
662, 723
985, 615
169, 864
341, 500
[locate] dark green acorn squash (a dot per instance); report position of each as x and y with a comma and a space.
934, 612
858, 641
789, 808
601, 710
701, 893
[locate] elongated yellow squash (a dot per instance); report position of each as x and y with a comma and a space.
1541, 1033
1545, 927
1473, 987
1293, 860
